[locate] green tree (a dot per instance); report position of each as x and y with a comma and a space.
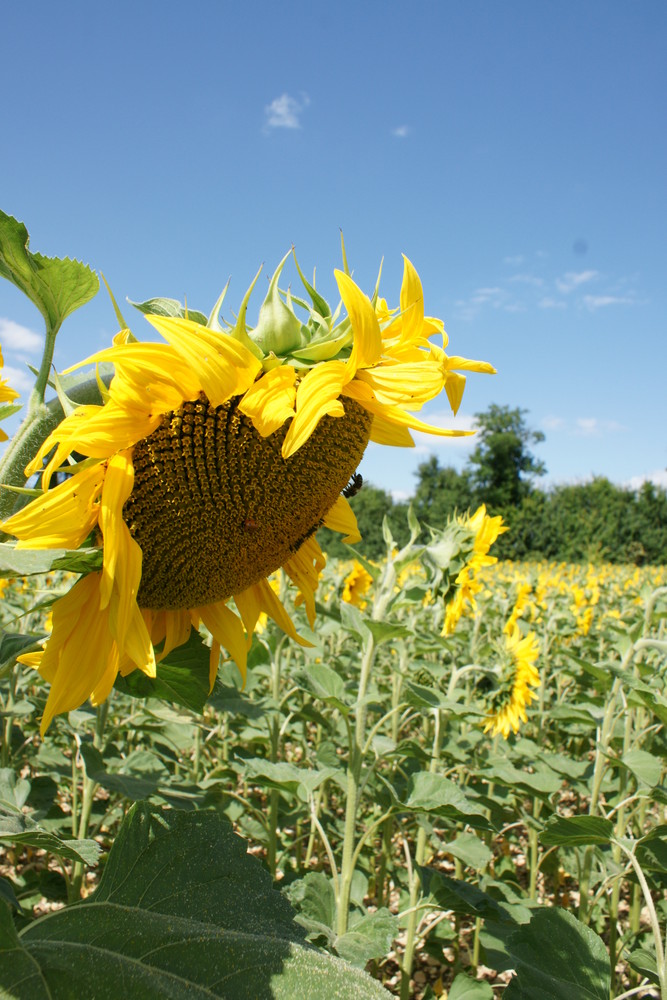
440, 491
502, 465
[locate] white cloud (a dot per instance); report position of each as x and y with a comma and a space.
553, 423
659, 477
592, 427
548, 303
528, 279
18, 378
401, 131
514, 261
594, 302
573, 279
17, 338
285, 111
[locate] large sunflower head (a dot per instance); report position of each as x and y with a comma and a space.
212, 461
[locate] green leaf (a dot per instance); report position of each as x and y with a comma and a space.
182, 677
56, 286
12, 644
434, 793
558, 958
325, 683
463, 897
574, 831
285, 776
644, 766
25, 562
169, 307
368, 937
20, 829
8, 895
469, 849
643, 962
464, 988
197, 918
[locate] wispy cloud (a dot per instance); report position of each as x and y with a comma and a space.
547, 302
594, 302
527, 279
401, 131
285, 111
19, 339
553, 423
592, 427
515, 261
18, 378
573, 279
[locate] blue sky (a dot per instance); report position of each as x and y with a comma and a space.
516, 152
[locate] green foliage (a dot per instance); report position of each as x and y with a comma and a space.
585, 522
198, 917
56, 286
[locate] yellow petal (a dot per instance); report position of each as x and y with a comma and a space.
367, 342
454, 386
80, 645
270, 401
316, 396
387, 433
224, 366
412, 302
61, 518
303, 569
261, 598
226, 628
341, 518
118, 483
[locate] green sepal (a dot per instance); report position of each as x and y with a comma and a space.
169, 307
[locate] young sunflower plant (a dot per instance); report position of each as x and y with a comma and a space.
210, 461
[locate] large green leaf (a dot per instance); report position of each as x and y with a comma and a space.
464, 988
182, 911
558, 958
56, 286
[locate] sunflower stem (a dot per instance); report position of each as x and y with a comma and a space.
354, 769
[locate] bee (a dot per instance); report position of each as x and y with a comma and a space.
250, 524
354, 485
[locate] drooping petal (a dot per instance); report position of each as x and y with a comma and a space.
454, 386
61, 518
304, 569
262, 598
118, 482
316, 396
270, 401
226, 629
79, 647
341, 518
393, 414
387, 433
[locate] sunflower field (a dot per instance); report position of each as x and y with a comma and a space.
232, 768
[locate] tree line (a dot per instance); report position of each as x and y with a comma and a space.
591, 521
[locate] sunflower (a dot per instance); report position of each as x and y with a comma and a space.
485, 530
211, 462
7, 395
510, 709
357, 583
